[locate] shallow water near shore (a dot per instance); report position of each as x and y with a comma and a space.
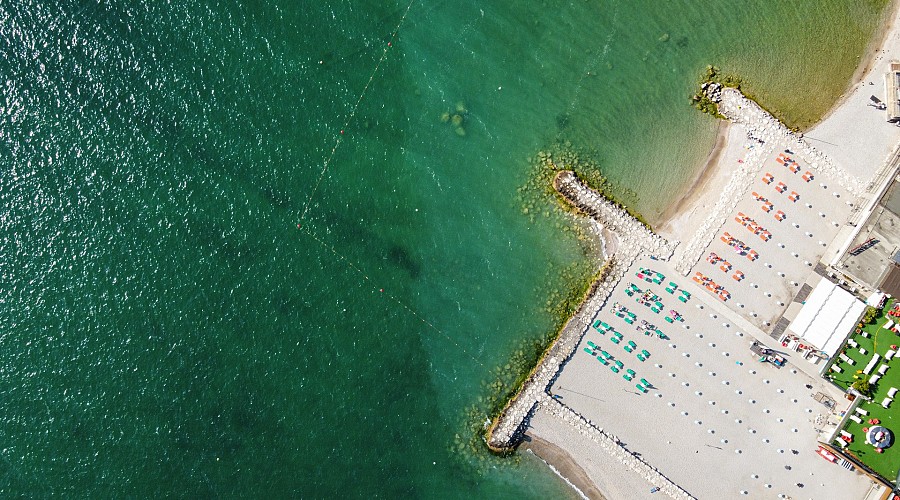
168, 330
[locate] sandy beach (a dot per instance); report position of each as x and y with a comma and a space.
852, 135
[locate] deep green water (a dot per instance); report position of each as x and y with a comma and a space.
165, 327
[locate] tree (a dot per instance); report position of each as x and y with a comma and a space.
869, 315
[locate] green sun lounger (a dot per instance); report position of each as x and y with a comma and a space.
605, 354
669, 319
620, 364
631, 372
641, 388
629, 321
615, 340
644, 381
681, 298
626, 377
628, 349
641, 357
614, 368
589, 351
631, 343
602, 360
597, 324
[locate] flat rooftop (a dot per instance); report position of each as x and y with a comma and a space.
869, 257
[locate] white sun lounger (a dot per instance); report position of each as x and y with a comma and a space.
862, 412
862, 350
842, 443
886, 402
874, 379
846, 359
845, 433
892, 392
855, 419
871, 364
883, 368
836, 368
889, 355
852, 343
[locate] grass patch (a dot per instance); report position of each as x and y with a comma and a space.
879, 340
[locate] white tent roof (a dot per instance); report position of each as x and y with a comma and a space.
875, 299
827, 317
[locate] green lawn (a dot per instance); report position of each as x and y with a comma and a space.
879, 341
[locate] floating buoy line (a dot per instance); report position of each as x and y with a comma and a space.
339, 139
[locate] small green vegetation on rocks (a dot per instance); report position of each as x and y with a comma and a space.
536, 195
507, 380
701, 99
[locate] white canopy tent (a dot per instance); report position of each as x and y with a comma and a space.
827, 317
876, 299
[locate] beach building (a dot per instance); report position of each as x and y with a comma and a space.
869, 256
892, 92
824, 321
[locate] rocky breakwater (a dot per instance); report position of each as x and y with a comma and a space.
633, 238
764, 134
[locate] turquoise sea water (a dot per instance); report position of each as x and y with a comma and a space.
166, 328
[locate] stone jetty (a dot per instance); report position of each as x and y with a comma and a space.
633, 238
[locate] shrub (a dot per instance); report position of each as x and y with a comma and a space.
869, 315
863, 386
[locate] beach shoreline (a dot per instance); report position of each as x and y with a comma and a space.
699, 185
564, 465
668, 222
867, 63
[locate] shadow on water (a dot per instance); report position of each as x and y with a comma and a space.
401, 258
